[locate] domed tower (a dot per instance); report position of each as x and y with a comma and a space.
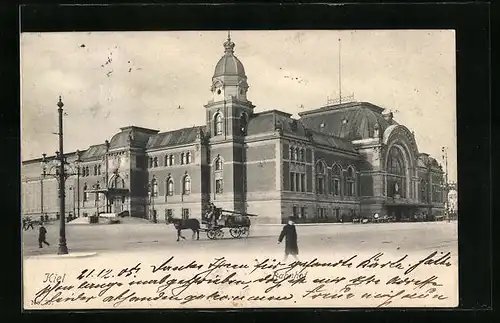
229, 110
227, 115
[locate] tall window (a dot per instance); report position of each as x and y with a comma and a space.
97, 195
154, 187
396, 177
423, 190
186, 185
350, 182
170, 186
189, 158
87, 173
155, 162
150, 162
171, 160
218, 124
218, 164
95, 170
293, 156
183, 158
336, 173
219, 186
99, 170
320, 177
85, 193
302, 157
165, 161
243, 124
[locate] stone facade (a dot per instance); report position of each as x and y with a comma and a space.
332, 164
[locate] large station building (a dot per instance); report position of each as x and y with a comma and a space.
333, 163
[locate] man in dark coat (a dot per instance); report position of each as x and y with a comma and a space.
42, 236
290, 234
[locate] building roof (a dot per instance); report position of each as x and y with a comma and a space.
131, 135
175, 138
331, 141
268, 121
229, 64
351, 121
95, 151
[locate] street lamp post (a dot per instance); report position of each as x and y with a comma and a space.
41, 188
444, 150
63, 248
61, 175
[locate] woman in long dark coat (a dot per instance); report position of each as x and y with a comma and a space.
290, 234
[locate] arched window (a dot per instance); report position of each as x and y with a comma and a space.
297, 154
189, 158
320, 177
85, 193
336, 176
350, 182
183, 158
165, 160
186, 185
218, 124
154, 188
396, 174
243, 124
170, 187
219, 163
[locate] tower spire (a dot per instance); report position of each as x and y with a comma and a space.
228, 44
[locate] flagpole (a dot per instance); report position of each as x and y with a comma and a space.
340, 73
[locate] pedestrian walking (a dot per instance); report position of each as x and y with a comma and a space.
29, 224
290, 234
42, 233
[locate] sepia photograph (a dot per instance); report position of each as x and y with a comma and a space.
239, 169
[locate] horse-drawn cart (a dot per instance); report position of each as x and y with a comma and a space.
217, 219
213, 223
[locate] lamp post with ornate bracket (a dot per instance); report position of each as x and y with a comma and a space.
58, 170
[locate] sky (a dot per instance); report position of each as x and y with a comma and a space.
110, 80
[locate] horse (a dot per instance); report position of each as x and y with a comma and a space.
183, 224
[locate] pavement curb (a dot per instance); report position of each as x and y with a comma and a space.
70, 255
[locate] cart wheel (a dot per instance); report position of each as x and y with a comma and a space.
220, 234
235, 232
245, 231
211, 234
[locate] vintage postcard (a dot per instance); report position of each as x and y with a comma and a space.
239, 169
